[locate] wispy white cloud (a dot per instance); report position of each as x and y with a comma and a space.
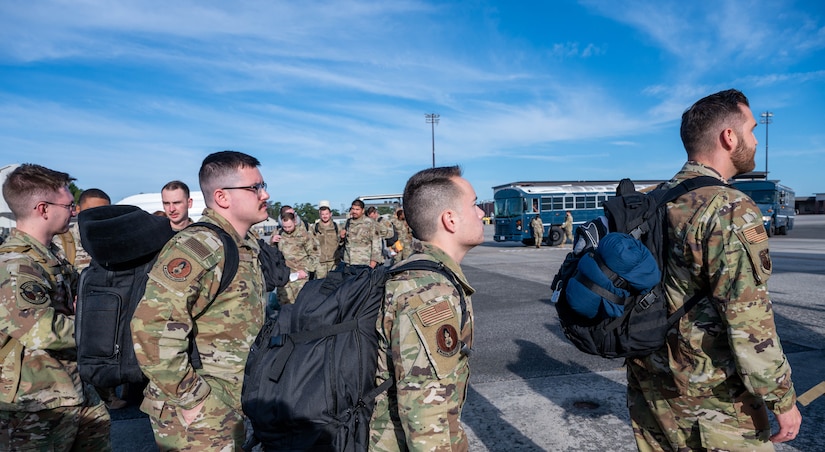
340, 87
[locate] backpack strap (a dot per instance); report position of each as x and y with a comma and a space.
689, 185
230, 268
230, 263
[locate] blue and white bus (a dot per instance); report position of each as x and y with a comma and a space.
776, 201
517, 203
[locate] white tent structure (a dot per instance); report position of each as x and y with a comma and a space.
152, 202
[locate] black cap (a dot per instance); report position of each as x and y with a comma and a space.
119, 237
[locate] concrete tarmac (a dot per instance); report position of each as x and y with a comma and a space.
584, 409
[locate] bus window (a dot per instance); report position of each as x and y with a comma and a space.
761, 196
508, 207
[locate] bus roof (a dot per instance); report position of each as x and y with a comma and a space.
547, 187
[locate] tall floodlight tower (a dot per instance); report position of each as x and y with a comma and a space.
766, 119
432, 118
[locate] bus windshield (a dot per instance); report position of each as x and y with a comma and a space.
761, 196
508, 207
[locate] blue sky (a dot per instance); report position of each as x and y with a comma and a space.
331, 96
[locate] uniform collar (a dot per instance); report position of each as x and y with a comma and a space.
693, 169
211, 216
437, 254
23, 239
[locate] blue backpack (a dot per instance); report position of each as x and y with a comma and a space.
608, 292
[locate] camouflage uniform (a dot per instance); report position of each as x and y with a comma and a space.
301, 253
538, 230
181, 285
405, 237
419, 332
567, 227
363, 242
709, 387
42, 400
328, 239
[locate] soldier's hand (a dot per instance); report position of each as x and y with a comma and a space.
343, 233
373, 264
276, 238
789, 423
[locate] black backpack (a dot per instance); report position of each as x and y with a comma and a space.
124, 243
641, 320
309, 382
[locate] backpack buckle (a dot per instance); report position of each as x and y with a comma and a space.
646, 301
277, 341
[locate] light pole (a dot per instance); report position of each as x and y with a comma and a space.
432, 118
766, 119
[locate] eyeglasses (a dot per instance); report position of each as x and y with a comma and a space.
71, 206
257, 188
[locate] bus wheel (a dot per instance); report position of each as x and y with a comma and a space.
771, 229
555, 236
782, 230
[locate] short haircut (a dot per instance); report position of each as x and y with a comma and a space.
702, 122
287, 216
285, 209
358, 203
427, 194
399, 213
29, 184
91, 193
371, 209
323, 208
222, 168
177, 185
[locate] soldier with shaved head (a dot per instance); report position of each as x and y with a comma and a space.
425, 327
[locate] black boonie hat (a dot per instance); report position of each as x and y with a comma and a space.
119, 237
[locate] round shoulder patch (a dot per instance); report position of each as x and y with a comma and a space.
33, 292
447, 340
177, 269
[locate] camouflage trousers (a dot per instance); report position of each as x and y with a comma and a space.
669, 422
72, 428
323, 269
217, 427
289, 293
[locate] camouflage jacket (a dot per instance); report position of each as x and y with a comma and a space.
421, 341
404, 236
363, 242
328, 239
300, 249
181, 285
728, 342
38, 352
385, 228
81, 257
537, 226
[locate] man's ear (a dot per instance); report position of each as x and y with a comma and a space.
222, 198
449, 220
728, 139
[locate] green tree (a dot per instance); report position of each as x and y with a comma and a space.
274, 209
75, 191
308, 212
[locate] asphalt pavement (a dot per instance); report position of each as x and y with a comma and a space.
531, 390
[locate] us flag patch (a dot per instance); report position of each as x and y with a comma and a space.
756, 234
436, 313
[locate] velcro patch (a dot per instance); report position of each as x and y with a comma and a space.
436, 313
447, 340
34, 293
755, 234
177, 269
